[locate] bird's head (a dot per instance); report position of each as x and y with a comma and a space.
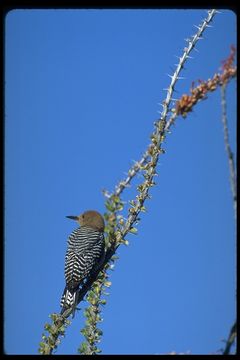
90, 218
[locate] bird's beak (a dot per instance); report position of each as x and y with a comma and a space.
72, 217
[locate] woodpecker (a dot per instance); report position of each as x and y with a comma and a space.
84, 255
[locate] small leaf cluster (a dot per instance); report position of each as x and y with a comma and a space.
92, 313
55, 330
114, 204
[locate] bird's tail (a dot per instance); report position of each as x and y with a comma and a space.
69, 298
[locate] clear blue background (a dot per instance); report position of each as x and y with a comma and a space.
82, 93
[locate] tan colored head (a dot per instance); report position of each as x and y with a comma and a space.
90, 218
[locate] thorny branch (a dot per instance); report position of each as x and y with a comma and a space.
233, 332
227, 65
228, 150
231, 339
160, 129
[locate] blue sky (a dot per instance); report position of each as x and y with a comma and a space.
81, 96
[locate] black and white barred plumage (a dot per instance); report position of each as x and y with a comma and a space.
84, 255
